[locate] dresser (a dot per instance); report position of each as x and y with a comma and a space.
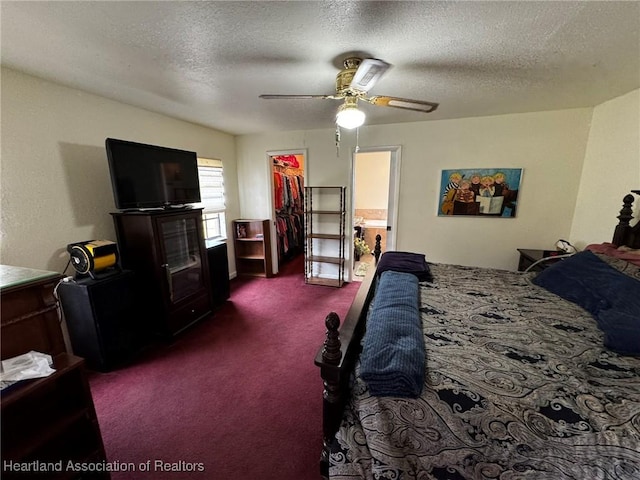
46, 422
29, 312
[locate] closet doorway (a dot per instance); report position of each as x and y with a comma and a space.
287, 174
375, 181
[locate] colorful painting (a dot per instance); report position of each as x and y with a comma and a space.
486, 192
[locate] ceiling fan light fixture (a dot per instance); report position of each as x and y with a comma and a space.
352, 84
349, 116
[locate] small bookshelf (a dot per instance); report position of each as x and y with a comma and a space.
252, 242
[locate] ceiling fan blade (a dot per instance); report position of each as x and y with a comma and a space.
368, 73
405, 103
303, 97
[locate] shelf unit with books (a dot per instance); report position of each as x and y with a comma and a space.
252, 244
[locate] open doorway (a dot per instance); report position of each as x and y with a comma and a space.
287, 174
374, 204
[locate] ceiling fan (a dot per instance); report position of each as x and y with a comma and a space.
352, 84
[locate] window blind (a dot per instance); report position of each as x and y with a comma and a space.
211, 185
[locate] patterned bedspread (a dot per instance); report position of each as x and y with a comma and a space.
518, 386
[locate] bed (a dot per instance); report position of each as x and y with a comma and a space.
520, 379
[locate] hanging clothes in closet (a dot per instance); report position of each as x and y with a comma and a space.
288, 181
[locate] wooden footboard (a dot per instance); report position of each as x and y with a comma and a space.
336, 359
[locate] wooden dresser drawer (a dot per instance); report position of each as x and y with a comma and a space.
30, 319
192, 311
18, 303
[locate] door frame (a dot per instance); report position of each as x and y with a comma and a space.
272, 211
395, 153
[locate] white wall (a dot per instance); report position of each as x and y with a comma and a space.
611, 169
254, 170
549, 146
55, 179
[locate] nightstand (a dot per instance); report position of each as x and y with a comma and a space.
528, 257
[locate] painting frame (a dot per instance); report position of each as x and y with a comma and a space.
479, 192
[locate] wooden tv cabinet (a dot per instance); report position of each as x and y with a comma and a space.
167, 252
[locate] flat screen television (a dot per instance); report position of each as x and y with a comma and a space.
149, 176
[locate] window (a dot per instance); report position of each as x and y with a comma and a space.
212, 196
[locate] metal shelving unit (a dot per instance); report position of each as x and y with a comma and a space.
324, 215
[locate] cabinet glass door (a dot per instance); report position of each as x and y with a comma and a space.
182, 260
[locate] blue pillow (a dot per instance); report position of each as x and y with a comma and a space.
621, 331
566, 279
621, 322
612, 297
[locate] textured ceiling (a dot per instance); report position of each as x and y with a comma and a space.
207, 62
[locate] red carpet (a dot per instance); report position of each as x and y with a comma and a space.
237, 395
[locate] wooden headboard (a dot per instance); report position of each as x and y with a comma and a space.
625, 234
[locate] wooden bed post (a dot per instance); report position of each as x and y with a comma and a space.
331, 395
377, 250
626, 214
331, 351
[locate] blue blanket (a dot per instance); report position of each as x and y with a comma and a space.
392, 362
612, 297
